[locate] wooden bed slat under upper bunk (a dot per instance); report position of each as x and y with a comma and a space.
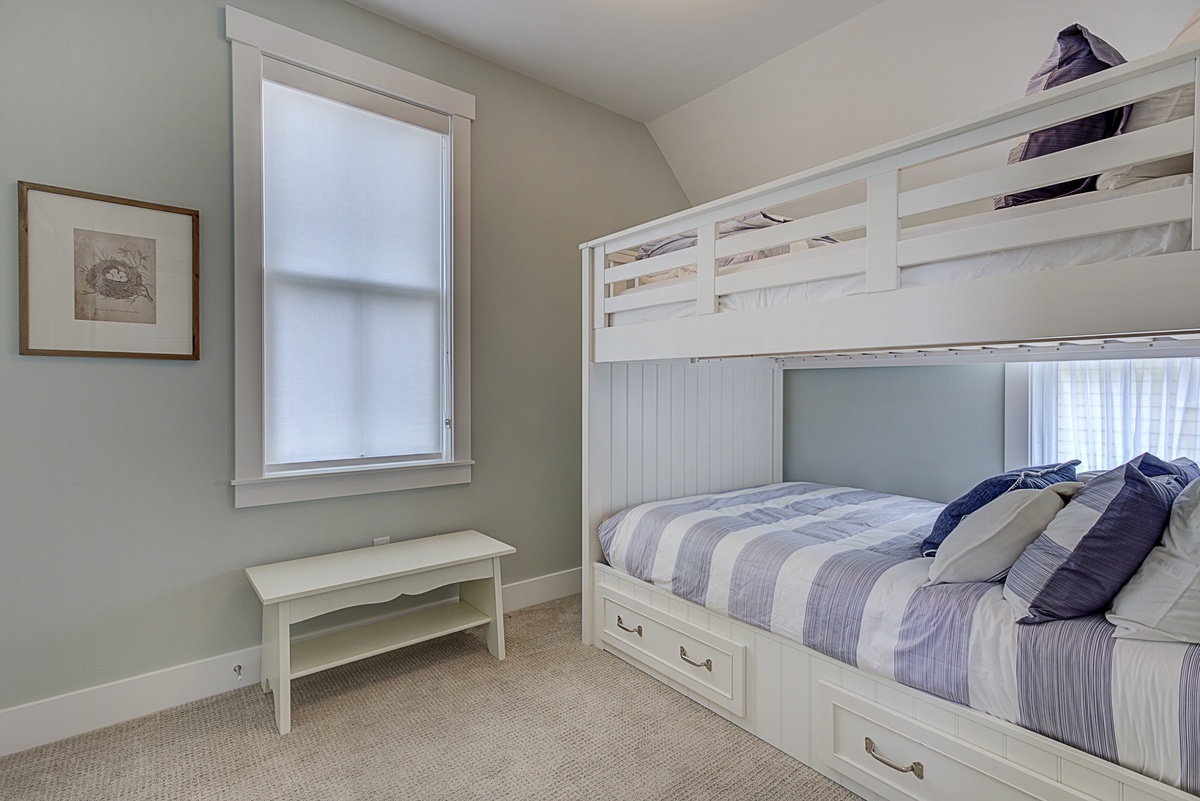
891, 231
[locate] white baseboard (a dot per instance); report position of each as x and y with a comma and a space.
521, 594
40, 722
50, 719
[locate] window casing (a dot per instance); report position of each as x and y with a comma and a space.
352, 252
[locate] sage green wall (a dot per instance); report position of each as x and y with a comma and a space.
928, 432
120, 550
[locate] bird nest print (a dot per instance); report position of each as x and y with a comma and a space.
114, 277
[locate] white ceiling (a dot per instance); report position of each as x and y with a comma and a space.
639, 58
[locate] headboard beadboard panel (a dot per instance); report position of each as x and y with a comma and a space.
667, 430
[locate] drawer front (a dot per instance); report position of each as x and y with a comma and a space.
901, 758
708, 664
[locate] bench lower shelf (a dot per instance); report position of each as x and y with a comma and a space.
341, 647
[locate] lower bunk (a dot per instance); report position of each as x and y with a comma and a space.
838, 705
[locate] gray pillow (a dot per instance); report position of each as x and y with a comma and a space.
984, 545
1162, 600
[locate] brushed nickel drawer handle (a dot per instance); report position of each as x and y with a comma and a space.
707, 663
621, 625
916, 768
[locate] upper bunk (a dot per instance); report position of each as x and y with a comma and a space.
899, 249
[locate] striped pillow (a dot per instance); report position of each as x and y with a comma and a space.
1092, 547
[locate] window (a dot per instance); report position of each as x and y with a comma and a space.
351, 271
1105, 412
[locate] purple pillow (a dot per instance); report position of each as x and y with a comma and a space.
1077, 53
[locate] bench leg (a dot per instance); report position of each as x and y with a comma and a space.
484, 595
277, 662
270, 646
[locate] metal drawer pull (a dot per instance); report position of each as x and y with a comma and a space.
621, 625
707, 663
916, 768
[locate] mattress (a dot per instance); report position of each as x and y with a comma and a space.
1149, 241
839, 570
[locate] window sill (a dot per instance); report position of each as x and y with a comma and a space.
309, 486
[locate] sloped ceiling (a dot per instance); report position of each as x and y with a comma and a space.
639, 58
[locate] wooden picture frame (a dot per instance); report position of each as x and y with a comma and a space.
107, 276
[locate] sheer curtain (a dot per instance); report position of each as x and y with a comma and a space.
1106, 412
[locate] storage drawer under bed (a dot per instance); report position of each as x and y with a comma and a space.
706, 663
900, 758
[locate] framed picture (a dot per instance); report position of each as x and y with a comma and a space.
107, 276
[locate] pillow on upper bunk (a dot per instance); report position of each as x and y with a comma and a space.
1093, 546
988, 490
1174, 104
1162, 600
1077, 53
674, 242
986, 543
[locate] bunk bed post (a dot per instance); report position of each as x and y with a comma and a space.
777, 377
883, 231
706, 269
592, 274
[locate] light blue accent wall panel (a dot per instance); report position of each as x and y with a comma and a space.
929, 432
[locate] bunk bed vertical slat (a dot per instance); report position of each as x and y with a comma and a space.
706, 269
883, 231
1196, 156
598, 287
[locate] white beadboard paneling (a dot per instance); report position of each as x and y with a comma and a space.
635, 416
680, 429
619, 445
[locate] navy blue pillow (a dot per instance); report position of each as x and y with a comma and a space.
989, 490
1077, 53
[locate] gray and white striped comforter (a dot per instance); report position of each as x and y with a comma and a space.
839, 570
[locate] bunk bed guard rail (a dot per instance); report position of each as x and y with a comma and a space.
871, 243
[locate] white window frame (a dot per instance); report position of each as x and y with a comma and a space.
252, 39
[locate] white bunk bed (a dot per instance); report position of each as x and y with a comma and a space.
682, 387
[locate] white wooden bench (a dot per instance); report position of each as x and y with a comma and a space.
304, 588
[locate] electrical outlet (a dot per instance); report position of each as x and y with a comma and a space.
381, 540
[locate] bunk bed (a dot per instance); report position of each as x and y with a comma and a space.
891, 256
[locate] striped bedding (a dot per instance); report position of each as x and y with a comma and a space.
839, 570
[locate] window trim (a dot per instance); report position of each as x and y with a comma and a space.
252, 39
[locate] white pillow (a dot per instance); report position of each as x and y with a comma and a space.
984, 545
1155, 110
1162, 600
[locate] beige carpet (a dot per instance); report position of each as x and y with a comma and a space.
440, 720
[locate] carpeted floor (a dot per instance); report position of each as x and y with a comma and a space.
439, 720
